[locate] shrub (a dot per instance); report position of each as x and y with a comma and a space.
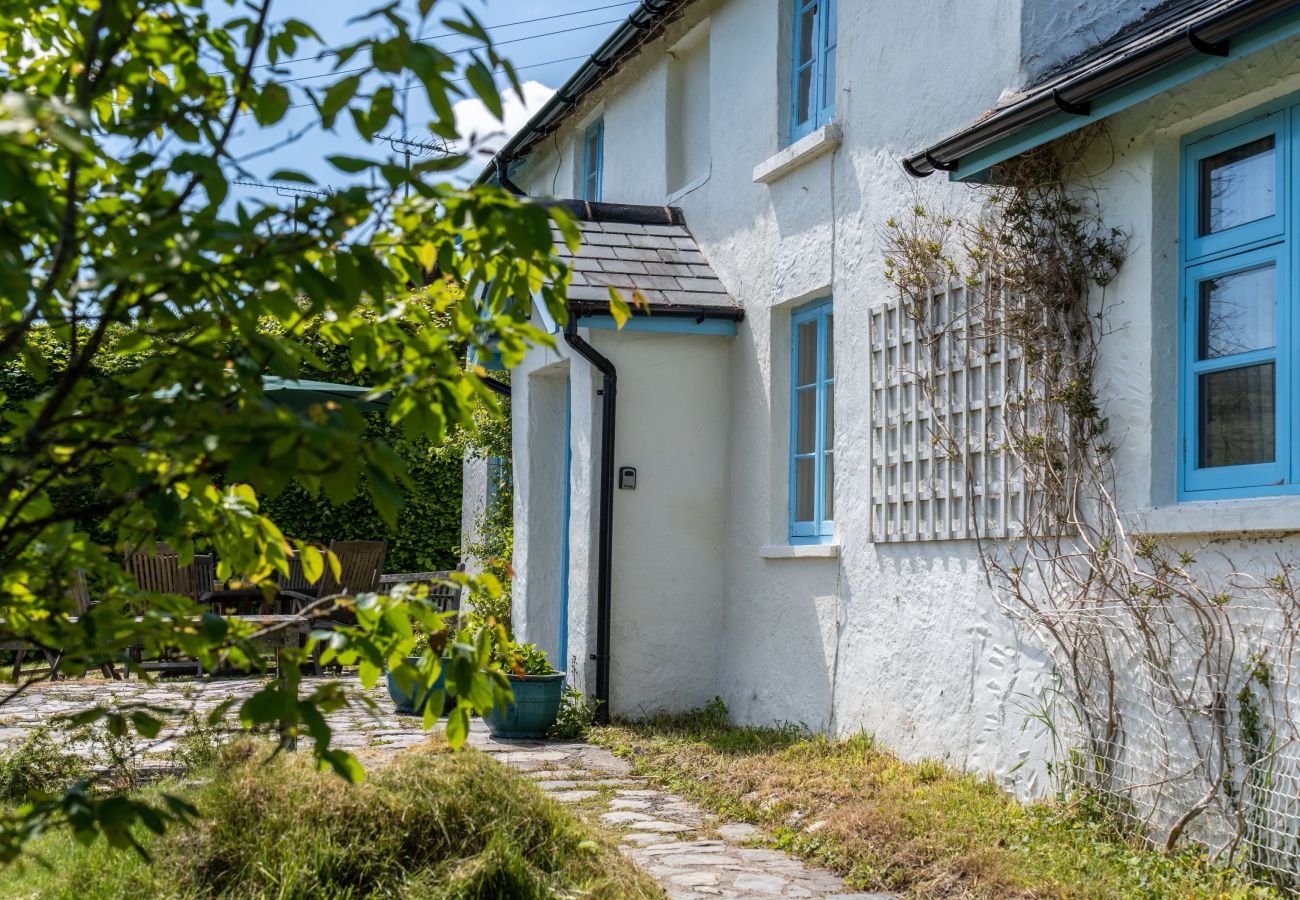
40, 764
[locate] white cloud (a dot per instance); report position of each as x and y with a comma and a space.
483, 133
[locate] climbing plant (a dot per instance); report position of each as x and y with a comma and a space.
1177, 670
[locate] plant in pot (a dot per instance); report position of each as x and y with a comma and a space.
536, 690
421, 677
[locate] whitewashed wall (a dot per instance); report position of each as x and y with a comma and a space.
903, 640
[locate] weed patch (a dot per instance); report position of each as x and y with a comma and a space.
922, 828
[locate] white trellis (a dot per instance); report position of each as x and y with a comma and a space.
941, 471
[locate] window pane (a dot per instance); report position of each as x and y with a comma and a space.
828, 501
805, 440
1237, 417
1237, 186
807, 353
1238, 312
803, 96
805, 482
807, 34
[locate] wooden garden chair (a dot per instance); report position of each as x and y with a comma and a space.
161, 572
361, 564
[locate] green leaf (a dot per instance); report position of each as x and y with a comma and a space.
313, 563
480, 79
145, 724
345, 764
270, 104
350, 164
618, 308
457, 727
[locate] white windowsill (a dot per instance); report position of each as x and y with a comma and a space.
801, 152
799, 551
1254, 514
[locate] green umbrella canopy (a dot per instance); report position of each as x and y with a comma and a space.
300, 393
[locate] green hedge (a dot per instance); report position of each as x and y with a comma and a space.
427, 536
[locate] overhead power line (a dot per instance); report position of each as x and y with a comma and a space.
402, 90
518, 40
451, 34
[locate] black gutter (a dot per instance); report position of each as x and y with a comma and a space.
625, 40
1210, 34
579, 308
605, 527
500, 387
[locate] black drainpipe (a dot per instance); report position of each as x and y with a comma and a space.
605, 546
503, 178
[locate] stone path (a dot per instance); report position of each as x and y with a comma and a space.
693, 854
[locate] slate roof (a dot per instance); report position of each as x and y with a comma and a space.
641, 248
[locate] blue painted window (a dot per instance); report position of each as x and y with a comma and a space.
812, 424
812, 91
1239, 325
499, 479
593, 160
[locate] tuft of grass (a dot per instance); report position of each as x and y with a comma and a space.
426, 824
922, 828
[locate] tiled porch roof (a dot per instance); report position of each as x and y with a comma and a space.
641, 248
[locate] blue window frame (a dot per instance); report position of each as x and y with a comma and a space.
812, 424
812, 89
1239, 322
593, 160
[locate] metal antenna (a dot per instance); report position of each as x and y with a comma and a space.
289, 191
415, 147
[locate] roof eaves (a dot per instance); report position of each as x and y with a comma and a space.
642, 25
1207, 32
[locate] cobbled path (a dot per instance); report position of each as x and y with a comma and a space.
692, 853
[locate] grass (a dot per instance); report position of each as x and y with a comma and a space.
426, 824
917, 828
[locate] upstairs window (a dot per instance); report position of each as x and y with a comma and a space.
812, 93
812, 425
593, 160
1240, 318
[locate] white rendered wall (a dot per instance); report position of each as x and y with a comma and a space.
905, 640
473, 505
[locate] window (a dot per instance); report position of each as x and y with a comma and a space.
812, 424
1240, 319
812, 93
593, 160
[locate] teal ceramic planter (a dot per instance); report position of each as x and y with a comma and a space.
536, 706
408, 703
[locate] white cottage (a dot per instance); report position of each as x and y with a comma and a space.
717, 499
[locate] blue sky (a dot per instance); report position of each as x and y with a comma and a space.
544, 51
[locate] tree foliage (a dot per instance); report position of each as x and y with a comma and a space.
120, 249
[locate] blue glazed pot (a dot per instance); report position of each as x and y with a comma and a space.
536, 706
407, 703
